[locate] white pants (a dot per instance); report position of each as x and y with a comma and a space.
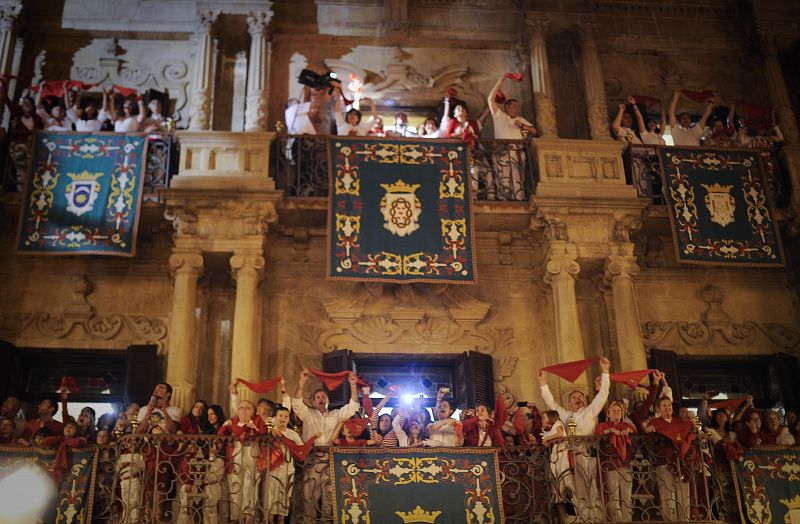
671, 493
586, 498
243, 481
618, 484
131, 490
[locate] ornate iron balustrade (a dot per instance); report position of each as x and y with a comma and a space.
500, 169
183, 479
643, 171
162, 150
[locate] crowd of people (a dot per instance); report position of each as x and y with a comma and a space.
583, 472
71, 110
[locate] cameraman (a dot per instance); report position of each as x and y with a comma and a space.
159, 408
352, 126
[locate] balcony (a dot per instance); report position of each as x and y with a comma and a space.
182, 479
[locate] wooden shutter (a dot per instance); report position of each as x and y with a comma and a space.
334, 362
143, 372
11, 373
667, 362
474, 380
785, 370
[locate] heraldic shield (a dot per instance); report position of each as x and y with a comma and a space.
400, 211
401, 208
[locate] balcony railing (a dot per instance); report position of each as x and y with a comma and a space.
182, 479
643, 171
500, 170
162, 154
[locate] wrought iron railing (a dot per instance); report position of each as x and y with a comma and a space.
161, 165
183, 479
500, 170
643, 171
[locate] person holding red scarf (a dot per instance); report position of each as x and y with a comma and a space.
484, 428
243, 457
616, 455
280, 479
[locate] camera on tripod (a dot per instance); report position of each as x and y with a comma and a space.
317, 81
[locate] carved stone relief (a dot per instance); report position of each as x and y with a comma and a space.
716, 327
80, 316
132, 63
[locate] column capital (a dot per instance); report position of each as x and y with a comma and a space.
538, 27
8, 13
257, 22
247, 264
619, 267
182, 262
205, 17
766, 42
559, 267
588, 32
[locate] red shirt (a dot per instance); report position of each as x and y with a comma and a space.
472, 433
32, 426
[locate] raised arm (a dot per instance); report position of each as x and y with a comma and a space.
639, 118
493, 107
706, 113
547, 396
142, 108
673, 121
731, 116
397, 426
234, 398
112, 107
445, 122
617, 123
605, 384
298, 406
349, 409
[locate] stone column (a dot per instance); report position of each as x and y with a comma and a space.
561, 271
182, 355
619, 273
776, 85
203, 78
257, 71
245, 354
540, 80
8, 13
594, 86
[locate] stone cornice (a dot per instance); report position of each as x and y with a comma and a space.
666, 8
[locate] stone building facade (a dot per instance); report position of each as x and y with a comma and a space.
228, 280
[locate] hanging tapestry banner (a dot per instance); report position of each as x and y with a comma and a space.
720, 208
405, 485
767, 483
82, 194
400, 211
72, 475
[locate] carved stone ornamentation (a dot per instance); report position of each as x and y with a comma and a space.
439, 318
715, 327
545, 114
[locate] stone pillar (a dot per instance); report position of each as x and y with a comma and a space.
561, 271
776, 85
203, 78
245, 354
619, 273
182, 355
540, 80
594, 86
257, 71
8, 13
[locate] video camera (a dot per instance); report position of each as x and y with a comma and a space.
317, 81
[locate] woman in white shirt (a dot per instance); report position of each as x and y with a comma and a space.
91, 121
353, 126
128, 121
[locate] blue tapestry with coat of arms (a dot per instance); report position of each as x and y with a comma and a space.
82, 194
400, 211
719, 207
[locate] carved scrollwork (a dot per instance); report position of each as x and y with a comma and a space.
104, 328
715, 326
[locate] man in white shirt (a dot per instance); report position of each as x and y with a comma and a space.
401, 127
159, 405
509, 159
317, 419
586, 496
682, 130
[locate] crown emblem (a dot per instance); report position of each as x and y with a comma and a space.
418, 515
400, 187
717, 188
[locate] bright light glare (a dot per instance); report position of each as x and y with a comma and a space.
408, 398
23, 495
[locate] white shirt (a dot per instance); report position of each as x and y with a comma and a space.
343, 128
322, 423
505, 127
626, 134
686, 137
585, 418
174, 413
92, 125
444, 435
127, 125
653, 139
